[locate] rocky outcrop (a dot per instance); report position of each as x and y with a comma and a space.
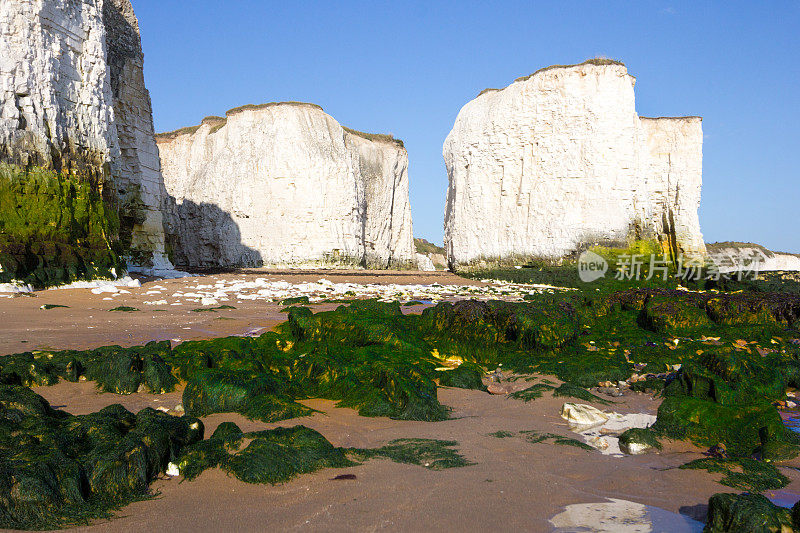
560, 160
285, 184
74, 110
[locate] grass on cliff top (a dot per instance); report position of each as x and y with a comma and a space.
719, 246
380, 137
597, 61
424, 246
169, 135
254, 107
218, 122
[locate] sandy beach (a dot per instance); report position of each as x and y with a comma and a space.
512, 484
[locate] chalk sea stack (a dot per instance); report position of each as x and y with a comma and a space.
285, 184
81, 188
559, 161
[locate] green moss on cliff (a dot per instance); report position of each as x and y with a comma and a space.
54, 228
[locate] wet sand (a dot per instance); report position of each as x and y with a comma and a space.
512, 485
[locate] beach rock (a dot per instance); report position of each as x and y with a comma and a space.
747, 512
286, 184
718, 450
496, 388
610, 391
560, 160
598, 442
173, 470
72, 97
581, 414
638, 440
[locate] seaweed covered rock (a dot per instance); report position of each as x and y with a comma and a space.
741, 473
280, 454
367, 356
638, 440
59, 469
753, 513
678, 312
113, 368
269, 456
484, 329
725, 397
258, 397
675, 316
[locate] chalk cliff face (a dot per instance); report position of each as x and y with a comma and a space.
560, 160
285, 184
73, 101
736, 256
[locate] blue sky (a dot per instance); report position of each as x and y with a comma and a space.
407, 68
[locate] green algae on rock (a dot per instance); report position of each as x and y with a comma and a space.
59, 469
465, 376
753, 513
269, 456
55, 227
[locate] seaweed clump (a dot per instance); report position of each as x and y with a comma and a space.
465, 376
749, 512
57, 469
113, 368
742, 473
280, 454
726, 396
269, 456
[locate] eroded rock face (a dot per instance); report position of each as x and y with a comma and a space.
73, 100
560, 160
285, 184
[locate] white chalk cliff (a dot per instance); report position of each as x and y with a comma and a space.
285, 184
73, 99
733, 257
560, 160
